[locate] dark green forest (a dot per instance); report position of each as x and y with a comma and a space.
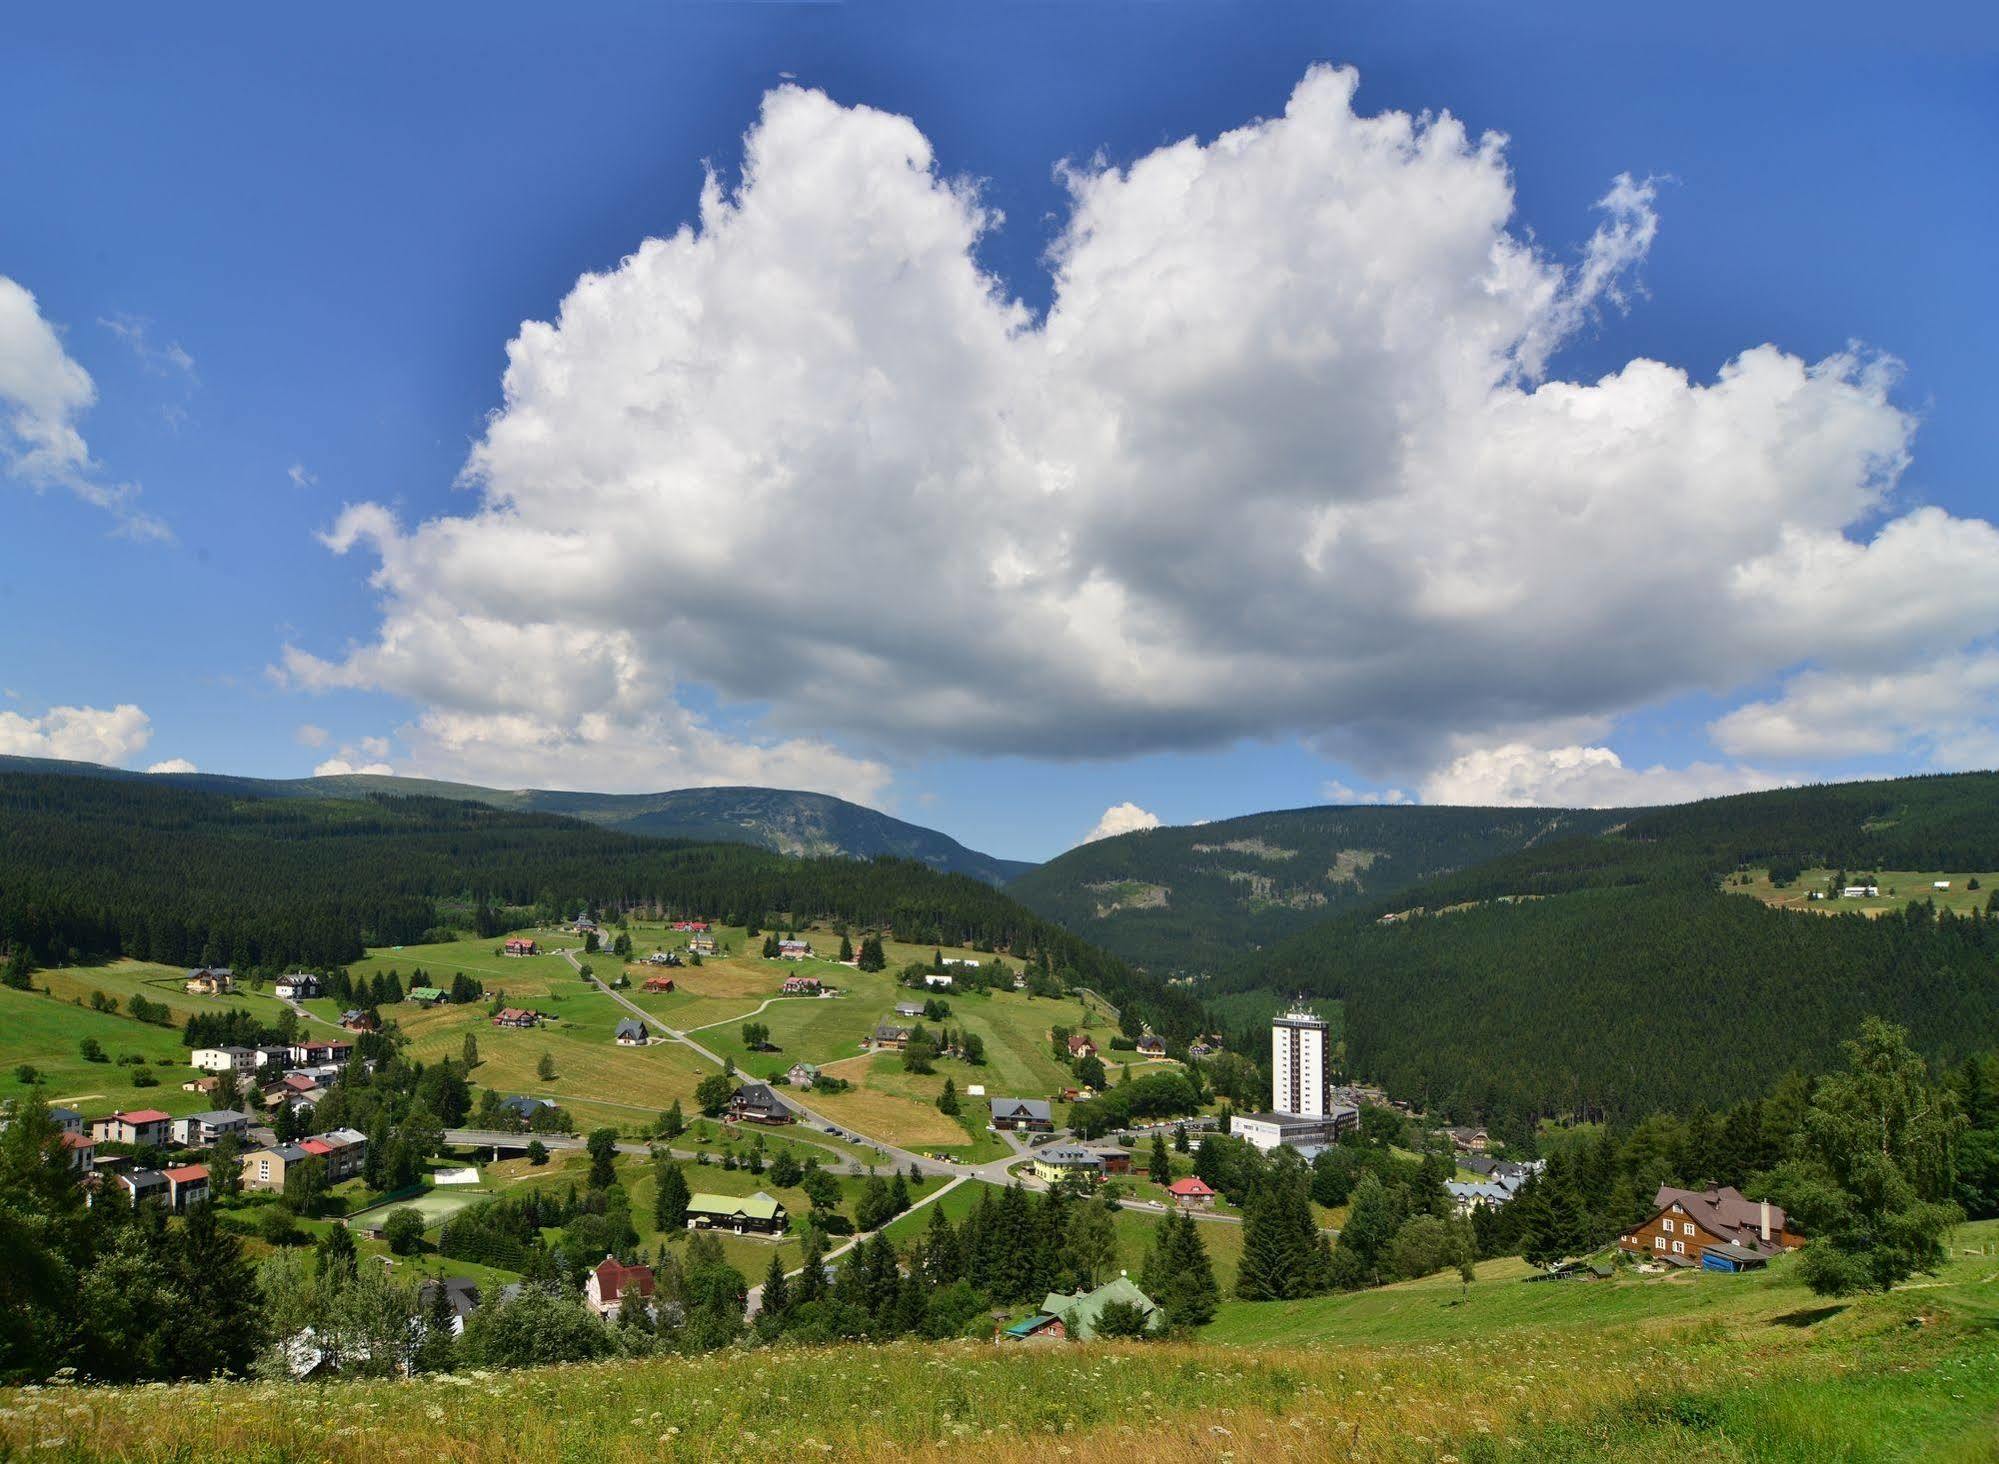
1609, 976
95, 867
1196, 899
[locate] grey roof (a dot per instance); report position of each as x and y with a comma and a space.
291, 1153
217, 1115
631, 1027
909, 1009
758, 1095
461, 1293
525, 1106
886, 1033
1069, 1154
1031, 1108
63, 1114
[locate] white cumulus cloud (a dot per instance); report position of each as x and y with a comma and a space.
173, 765
43, 396
336, 766
1121, 818
1946, 709
306, 734
80, 734
1519, 775
1284, 456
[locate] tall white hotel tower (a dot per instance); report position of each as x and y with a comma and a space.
1301, 1115
1298, 1065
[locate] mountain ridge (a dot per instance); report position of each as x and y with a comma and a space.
785, 821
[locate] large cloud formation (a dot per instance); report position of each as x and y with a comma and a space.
81, 734
1282, 458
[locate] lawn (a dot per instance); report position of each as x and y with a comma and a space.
1776, 1376
46, 1033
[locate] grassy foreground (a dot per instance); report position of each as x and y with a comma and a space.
1763, 1373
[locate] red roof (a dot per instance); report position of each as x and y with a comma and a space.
1190, 1187
79, 1141
315, 1146
614, 1279
142, 1115
299, 1083
188, 1173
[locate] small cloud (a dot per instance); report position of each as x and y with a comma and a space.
167, 360
1121, 818
307, 735
300, 477
377, 747
335, 767
174, 765
78, 734
1334, 791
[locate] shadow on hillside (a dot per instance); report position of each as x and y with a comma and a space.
1809, 1317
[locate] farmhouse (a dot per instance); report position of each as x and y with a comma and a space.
583, 925
961, 961
702, 944
355, 1020
1860, 892
1081, 1047
1686, 1223
794, 950
631, 1032
802, 1075
610, 1279
912, 1009
145, 1128
1151, 1046
298, 986
1023, 1115
210, 981
525, 1108
1068, 1162
1075, 1317
426, 995
800, 986
203, 1130
516, 1017
756, 1214
691, 926
663, 958
1469, 1195
461, 1299
937, 979
756, 1103
1191, 1193
888, 1038
1466, 1140
658, 984
521, 945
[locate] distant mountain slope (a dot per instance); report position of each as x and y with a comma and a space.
779, 820
1617, 973
1199, 897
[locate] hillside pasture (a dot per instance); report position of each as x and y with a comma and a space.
46, 1033
1899, 888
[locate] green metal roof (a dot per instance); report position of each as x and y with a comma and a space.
758, 1206
1079, 1312
425, 993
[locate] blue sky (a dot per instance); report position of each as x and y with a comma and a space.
291, 256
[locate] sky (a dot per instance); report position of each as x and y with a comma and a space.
1037, 421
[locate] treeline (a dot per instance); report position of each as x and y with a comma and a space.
1611, 977
95, 867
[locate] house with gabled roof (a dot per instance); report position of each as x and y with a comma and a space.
142, 1128
1068, 1161
1191, 1193
756, 1103
1685, 1223
187, 1185
1074, 1316
204, 1130
610, 1279
521, 945
631, 1032
1023, 1115
888, 1037
210, 981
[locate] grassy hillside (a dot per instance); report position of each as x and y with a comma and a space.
1711, 1368
1198, 898
1630, 970
781, 820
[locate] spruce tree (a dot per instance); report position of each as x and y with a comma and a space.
811, 1284
776, 1290
670, 1197
1159, 1167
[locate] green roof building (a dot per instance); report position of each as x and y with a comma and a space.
744, 1214
1078, 1314
426, 994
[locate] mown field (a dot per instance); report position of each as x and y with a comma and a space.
1766, 1373
1969, 890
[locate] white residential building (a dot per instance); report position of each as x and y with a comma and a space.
1298, 1065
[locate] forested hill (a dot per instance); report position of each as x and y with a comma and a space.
1617, 974
1198, 898
782, 820
94, 866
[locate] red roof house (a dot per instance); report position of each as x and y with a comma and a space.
611, 1279
1191, 1193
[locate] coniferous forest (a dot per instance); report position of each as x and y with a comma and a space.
1614, 975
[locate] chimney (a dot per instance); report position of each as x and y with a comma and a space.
1766, 1222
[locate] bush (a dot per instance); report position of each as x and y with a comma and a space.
537, 1153
403, 1230
1121, 1319
91, 1050
278, 1226
143, 1079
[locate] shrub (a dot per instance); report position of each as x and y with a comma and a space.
403, 1230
